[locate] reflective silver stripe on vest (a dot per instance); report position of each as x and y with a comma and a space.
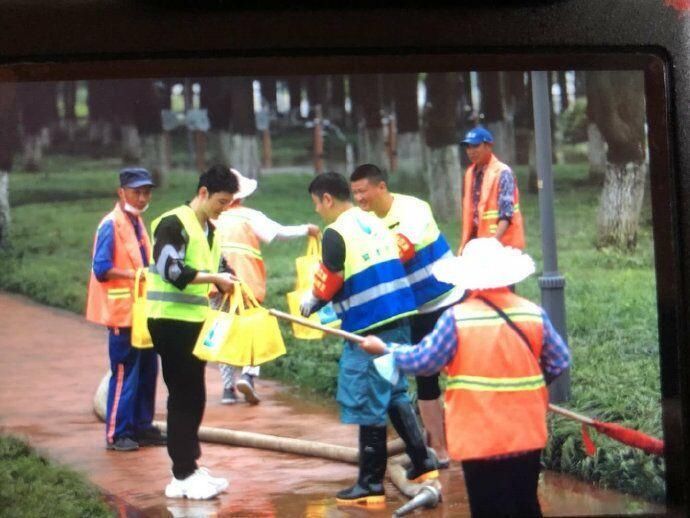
425, 271
182, 298
153, 269
370, 294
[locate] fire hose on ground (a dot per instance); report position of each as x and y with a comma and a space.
427, 494
334, 452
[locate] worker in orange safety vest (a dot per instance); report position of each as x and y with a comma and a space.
499, 351
241, 231
122, 246
491, 200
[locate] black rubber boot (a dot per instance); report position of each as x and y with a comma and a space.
372, 467
424, 464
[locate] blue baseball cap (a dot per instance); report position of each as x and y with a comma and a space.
476, 136
134, 177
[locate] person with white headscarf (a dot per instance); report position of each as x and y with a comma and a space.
500, 351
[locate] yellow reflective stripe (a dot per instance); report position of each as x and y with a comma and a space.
471, 318
118, 293
491, 214
495, 320
483, 384
242, 249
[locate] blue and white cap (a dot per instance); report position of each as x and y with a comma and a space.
476, 136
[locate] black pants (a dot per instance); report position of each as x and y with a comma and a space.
183, 374
503, 487
421, 325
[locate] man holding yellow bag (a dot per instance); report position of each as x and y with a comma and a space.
186, 263
121, 248
241, 231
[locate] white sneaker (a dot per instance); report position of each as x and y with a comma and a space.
220, 483
196, 487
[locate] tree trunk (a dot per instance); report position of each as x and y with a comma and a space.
336, 106
131, 144
9, 141
596, 153
102, 108
409, 141
444, 181
244, 152
269, 93
442, 152
621, 203
295, 89
615, 102
69, 124
5, 221
244, 155
563, 87
370, 129
36, 102
498, 110
154, 159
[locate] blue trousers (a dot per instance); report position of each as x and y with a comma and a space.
132, 389
363, 395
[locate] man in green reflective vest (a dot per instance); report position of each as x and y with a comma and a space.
186, 263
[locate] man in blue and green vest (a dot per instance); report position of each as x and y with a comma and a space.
362, 275
412, 223
186, 264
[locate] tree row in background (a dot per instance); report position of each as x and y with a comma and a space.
408, 123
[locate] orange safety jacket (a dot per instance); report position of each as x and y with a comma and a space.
110, 302
496, 397
241, 249
488, 207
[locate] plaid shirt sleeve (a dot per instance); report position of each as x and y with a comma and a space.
555, 355
506, 189
434, 351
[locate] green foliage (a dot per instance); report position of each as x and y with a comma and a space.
31, 487
573, 122
610, 296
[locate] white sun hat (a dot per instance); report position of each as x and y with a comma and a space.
485, 264
246, 185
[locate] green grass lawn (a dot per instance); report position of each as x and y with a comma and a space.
610, 295
30, 487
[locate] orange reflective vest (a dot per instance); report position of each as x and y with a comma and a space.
241, 249
110, 302
496, 397
488, 207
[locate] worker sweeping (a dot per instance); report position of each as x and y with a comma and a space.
240, 231
500, 351
362, 274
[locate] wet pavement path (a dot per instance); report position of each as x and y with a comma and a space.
52, 362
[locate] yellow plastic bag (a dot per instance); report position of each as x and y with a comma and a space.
141, 338
216, 329
307, 264
300, 331
254, 335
